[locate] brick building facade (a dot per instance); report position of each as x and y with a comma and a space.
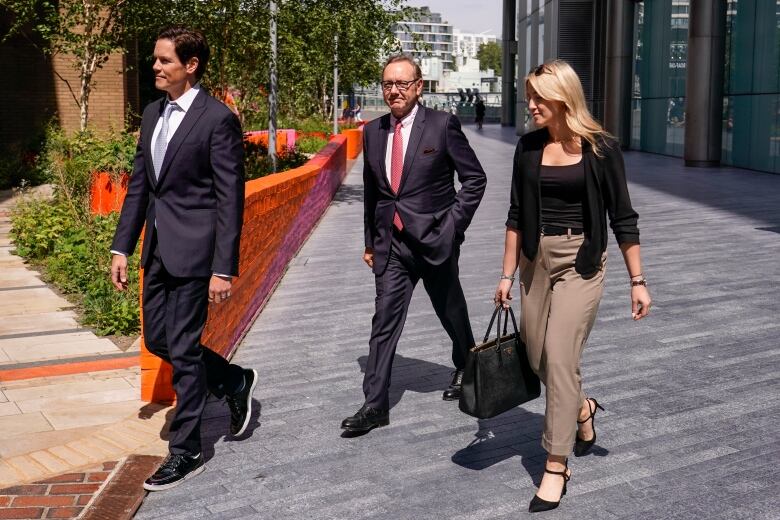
34, 88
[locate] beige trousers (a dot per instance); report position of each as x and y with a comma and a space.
558, 310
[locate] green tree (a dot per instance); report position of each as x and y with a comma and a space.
89, 30
489, 56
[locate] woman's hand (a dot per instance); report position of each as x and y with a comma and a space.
640, 302
503, 293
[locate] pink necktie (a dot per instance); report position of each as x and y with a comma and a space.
397, 167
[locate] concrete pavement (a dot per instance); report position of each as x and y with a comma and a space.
692, 424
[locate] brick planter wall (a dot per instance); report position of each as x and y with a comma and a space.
280, 211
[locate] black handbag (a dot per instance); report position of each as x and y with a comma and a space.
498, 376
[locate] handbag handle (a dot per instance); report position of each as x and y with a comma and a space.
490, 325
508, 313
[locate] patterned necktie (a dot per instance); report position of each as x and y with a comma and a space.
397, 167
161, 144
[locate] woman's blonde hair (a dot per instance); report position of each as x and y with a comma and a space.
556, 80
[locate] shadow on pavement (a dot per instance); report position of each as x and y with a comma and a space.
147, 411
216, 424
348, 194
414, 375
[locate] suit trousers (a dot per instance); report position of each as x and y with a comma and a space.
394, 288
559, 308
174, 312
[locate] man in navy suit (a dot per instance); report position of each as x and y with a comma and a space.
415, 222
187, 187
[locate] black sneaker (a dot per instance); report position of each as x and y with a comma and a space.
174, 470
240, 404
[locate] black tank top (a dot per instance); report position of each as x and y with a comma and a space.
562, 191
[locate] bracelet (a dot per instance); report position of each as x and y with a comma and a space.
505, 277
636, 283
631, 276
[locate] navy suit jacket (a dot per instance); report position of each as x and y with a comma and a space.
434, 215
198, 200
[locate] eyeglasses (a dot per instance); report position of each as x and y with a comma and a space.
402, 86
542, 69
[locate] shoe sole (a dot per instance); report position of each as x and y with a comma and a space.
248, 405
163, 487
360, 430
450, 398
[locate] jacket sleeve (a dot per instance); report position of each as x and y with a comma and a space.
369, 196
227, 163
514, 219
622, 217
471, 176
133, 215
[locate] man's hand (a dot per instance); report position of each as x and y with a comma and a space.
368, 257
119, 272
219, 289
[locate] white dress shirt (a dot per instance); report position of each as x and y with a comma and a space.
406, 132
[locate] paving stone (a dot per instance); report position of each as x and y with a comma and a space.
692, 422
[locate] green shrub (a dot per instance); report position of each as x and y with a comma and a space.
67, 241
74, 254
310, 144
257, 163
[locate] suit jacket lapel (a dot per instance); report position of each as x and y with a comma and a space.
147, 132
190, 118
384, 129
414, 142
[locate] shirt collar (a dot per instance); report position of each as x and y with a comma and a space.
407, 120
184, 102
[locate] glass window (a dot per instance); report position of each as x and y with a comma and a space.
660, 60
751, 114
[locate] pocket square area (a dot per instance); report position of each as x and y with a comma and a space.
428, 151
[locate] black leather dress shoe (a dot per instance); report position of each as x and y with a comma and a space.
240, 403
174, 470
365, 419
452, 393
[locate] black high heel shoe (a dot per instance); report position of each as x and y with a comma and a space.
537, 504
581, 447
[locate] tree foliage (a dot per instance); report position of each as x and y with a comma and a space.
238, 35
489, 56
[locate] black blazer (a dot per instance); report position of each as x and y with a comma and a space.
434, 215
198, 202
606, 192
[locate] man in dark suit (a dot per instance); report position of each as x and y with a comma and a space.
415, 222
187, 187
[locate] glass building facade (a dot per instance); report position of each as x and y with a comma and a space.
638, 86
751, 100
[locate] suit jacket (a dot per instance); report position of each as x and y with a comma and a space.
434, 215
198, 200
606, 192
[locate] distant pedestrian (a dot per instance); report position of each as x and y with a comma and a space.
358, 110
568, 176
479, 109
454, 109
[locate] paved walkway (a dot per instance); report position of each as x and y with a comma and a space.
60, 409
692, 424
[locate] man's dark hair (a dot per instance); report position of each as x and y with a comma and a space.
395, 58
188, 43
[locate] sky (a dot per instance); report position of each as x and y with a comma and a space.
467, 15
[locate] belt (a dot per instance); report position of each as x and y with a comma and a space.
559, 230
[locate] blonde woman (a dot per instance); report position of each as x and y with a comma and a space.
568, 176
